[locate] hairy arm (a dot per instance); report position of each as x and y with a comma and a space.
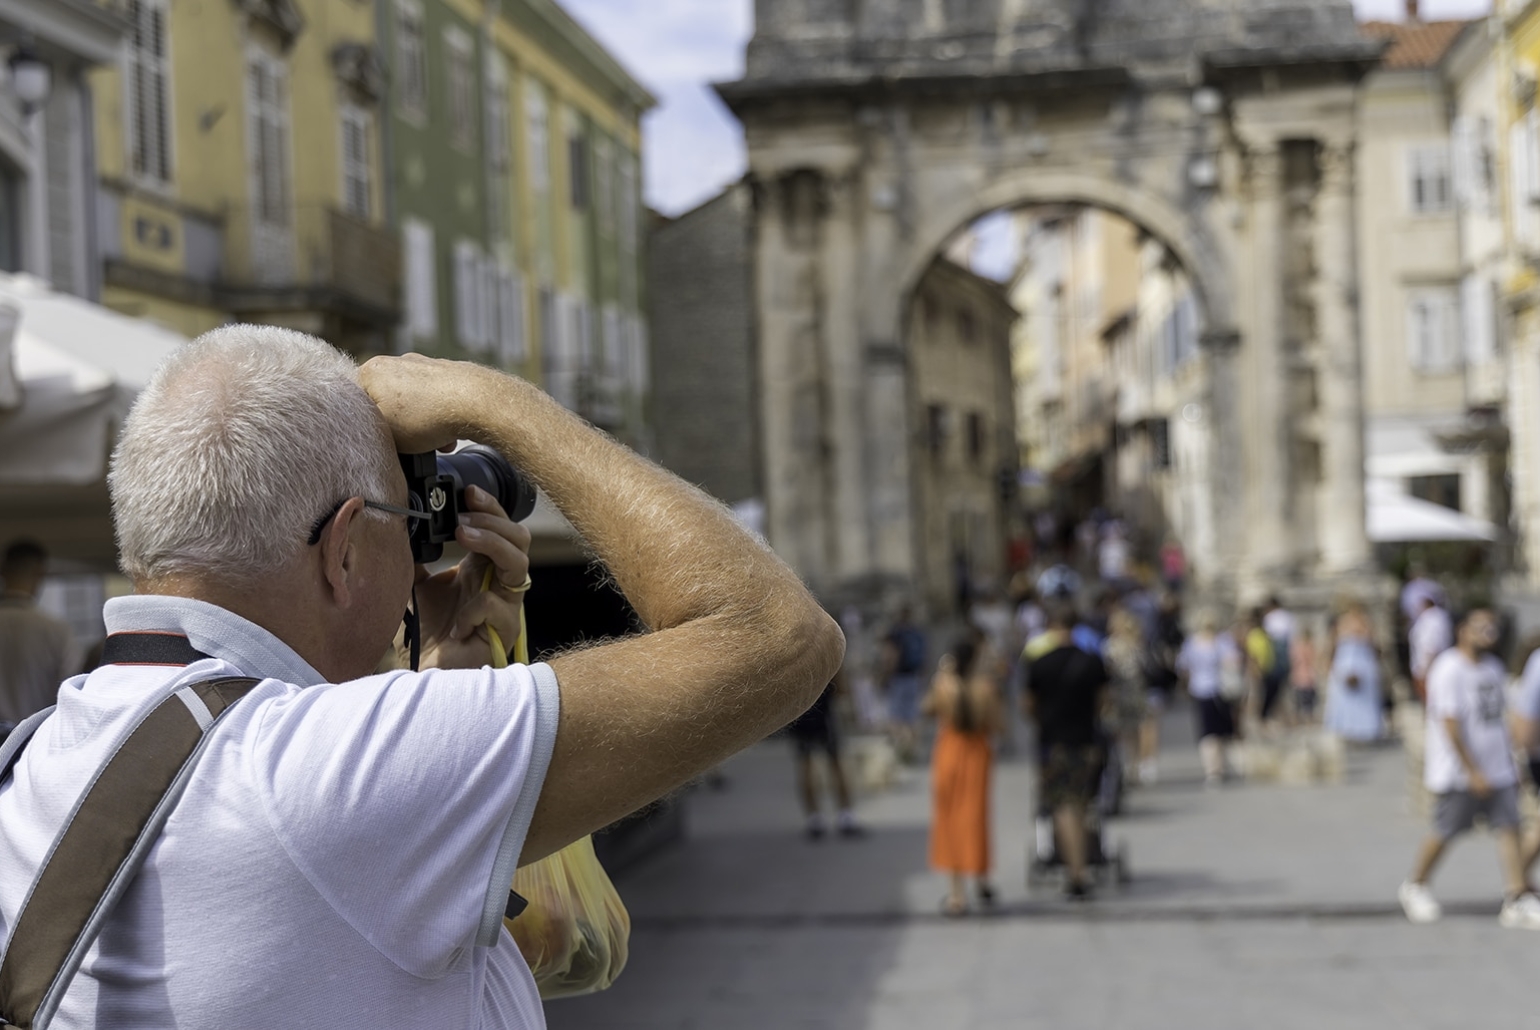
737, 646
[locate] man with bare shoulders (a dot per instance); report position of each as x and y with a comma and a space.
342, 852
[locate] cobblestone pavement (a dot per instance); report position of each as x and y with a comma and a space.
1255, 906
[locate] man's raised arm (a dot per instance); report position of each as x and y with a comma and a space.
738, 646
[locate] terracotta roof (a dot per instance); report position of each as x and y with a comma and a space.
1418, 44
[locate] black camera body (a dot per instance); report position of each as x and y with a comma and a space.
436, 483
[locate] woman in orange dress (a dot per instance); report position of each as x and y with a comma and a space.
965, 702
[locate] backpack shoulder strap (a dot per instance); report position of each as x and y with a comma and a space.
102, 847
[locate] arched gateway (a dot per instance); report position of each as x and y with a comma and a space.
877, 128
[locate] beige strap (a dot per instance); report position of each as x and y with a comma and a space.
101, 849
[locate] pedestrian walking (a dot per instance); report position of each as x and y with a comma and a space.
1525, 723
1279, 624
1469, 770
1353, 705
1173, 565
813, 732
1209, 665
1261, 664
1162, 679
1304, 674
37, 650
1432, 634
965, 702
903, 663
1124, 653
1065, 689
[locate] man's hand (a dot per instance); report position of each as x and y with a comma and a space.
429, 403
453, 609
1479, 785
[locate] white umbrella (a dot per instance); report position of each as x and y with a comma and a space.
69, 371
1396, 517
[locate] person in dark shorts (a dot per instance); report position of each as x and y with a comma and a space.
814, 731
1065, 688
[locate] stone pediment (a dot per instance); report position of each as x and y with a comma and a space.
360, 67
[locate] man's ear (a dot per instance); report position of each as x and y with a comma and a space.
339, 553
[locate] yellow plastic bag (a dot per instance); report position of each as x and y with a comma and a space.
576, 933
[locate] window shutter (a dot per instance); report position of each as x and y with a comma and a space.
511, 321
421, 283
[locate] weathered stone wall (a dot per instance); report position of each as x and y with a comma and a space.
700, 269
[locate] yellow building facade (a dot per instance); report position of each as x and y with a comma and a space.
240, 169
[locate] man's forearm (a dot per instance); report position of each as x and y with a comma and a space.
1457, 741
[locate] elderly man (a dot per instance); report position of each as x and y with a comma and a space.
342, 852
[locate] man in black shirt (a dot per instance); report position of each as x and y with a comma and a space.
1064, 698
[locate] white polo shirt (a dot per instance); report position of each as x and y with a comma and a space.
338, 854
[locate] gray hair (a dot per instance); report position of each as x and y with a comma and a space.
240, 443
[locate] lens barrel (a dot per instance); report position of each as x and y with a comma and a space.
485, 468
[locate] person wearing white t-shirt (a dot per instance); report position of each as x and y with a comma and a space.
342, 853
1430, 636
1526, 733
1469, 770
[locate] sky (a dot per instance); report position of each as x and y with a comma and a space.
676, 48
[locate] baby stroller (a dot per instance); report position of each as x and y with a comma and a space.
1106, 858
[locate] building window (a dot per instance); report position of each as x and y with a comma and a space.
357, 167
1478, 316
421, 279
268, 124
1429, 179
577, 167
471, 297
537, 114
498, 149
935, 429
628, 204
510, 317
967, 325
1432, 330
1440, 490
459, 88
411, 58
978, 443
147, 92
604, 185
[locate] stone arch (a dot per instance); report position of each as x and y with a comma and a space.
1183, 232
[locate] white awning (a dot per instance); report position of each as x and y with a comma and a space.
68, 374
1395, 517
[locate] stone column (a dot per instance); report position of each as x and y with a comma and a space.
1343, 536
1266, 471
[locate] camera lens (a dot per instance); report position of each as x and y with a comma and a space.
483, 467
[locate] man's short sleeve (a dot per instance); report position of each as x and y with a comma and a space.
1446, 699
403, 797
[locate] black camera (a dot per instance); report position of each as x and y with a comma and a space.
436, 485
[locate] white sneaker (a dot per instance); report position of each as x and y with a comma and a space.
1421, 906
1520, 913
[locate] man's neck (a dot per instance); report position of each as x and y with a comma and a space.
1471, 654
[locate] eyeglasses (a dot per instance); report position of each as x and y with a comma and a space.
320, 524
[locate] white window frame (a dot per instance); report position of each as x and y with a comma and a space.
1432, 329
1429, 179
412, 58
460, 86
537, 114
420, 259
140, 62
356, 125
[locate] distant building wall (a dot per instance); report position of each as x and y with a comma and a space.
704, 398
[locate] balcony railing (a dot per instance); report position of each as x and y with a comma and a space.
317, 257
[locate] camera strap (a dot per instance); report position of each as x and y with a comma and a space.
107, 837
413, 632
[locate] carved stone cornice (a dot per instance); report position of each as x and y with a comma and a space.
282, 16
